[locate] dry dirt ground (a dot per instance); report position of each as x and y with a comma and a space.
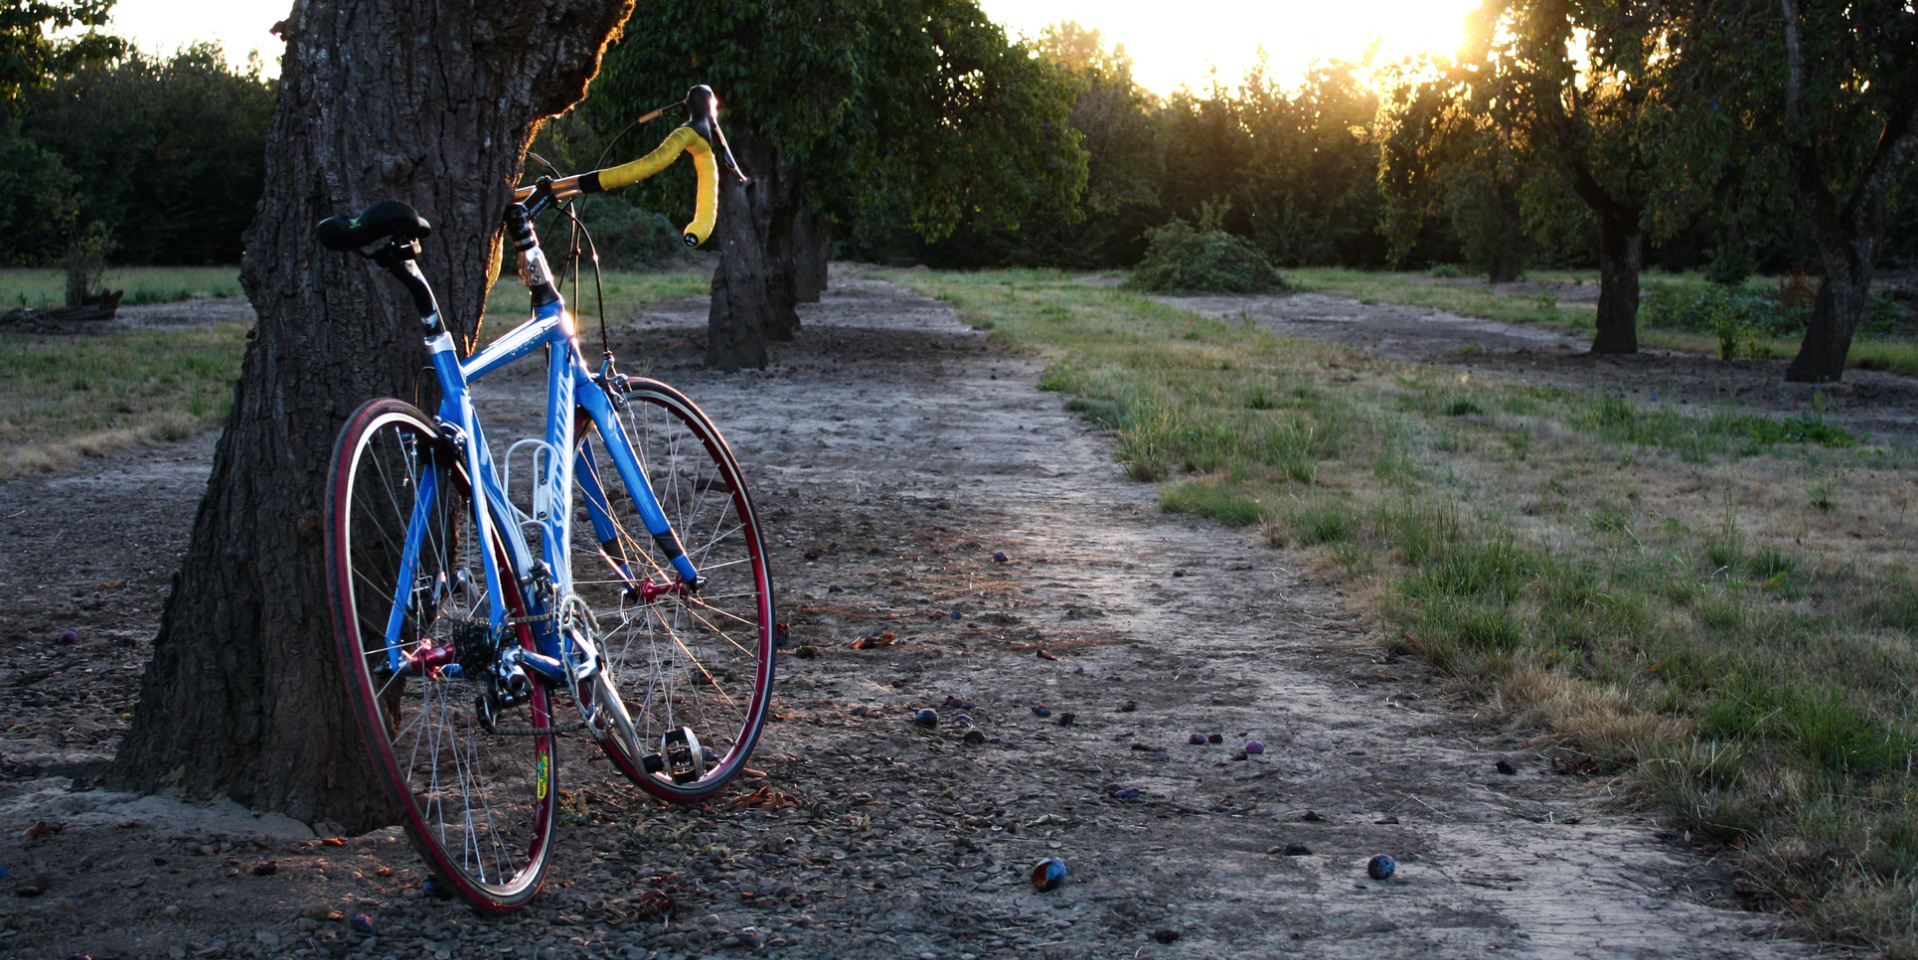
894, 452
1881, 406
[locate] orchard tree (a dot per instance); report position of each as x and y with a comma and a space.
1439, 159
873, 114
426, 101
1564, 86
1849, 127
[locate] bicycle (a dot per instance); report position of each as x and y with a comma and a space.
465, 619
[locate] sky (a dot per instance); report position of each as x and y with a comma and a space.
1171, 45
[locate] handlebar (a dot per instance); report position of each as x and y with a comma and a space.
696, 137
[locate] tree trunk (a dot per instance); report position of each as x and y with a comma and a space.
1843, 296
812, 251
740, 313
784, 202
1505, 261
428, 102
1620, 248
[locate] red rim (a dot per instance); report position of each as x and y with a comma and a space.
525, 883
688, 414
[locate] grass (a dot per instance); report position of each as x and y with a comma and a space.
64, 397
25, 287
1718, 613
626, 292
71, 396
1476, 299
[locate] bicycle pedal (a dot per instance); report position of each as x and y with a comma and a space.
652, 763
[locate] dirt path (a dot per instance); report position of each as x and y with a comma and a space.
1881, 406
894, 452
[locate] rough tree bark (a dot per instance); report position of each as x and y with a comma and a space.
1620, 256
812, 249
752, 296
1849, 231
783, 204
741, 312
428, 101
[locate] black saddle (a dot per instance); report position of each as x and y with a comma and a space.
388, 218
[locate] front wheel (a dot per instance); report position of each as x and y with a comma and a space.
694, 669
471, 778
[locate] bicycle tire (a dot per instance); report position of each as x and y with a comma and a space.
702, 661
477, 804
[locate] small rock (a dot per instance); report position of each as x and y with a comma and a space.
1297, 850
1068, 719
1381, 867
806, 652
67, 638
266, 868
926, 718
1041, 710
974, 737
1215, 738
1165, 936
999, 557
432, 887
1312, 816
1128, 706
962, 720
1126, 793
1386, 821
1197, 739
1042, 654
955, 614
861, 711
1254, 748
359, 924
835, 588
1505, 767
958, 704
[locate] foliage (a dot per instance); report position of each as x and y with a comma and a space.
168, 152
1709, 310
903, 114
1183, 258
1809, 428
31, 53
37, 202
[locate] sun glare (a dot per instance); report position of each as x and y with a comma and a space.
1171, 46
1183, 44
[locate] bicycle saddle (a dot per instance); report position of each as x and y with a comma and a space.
388, 218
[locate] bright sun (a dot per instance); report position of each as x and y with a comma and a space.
1171, 44
1174, 44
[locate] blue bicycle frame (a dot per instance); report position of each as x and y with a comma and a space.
570, 388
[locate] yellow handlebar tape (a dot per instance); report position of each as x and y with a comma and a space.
706, 201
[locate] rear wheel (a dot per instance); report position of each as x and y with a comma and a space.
694, 670
411, 618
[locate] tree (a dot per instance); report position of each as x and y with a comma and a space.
169, 151
1439, 158
875, 114
30, 54
430, 103
1850, 131
1565, 85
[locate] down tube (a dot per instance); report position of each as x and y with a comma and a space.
620, 449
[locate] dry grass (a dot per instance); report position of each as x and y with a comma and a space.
69, 397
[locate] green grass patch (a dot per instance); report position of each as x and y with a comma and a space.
34, 288
1622, 576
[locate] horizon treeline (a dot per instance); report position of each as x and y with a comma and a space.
159, 160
